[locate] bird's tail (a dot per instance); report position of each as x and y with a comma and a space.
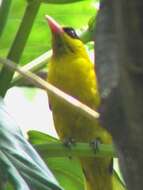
99, 174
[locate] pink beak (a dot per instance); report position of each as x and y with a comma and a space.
54, 26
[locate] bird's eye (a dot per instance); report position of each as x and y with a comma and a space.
71, 32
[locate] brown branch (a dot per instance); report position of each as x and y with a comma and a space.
120, 58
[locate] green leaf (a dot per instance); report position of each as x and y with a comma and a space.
36, 137
67, 170
40, 38
19, 162
118, 172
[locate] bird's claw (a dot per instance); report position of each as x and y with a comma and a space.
95, 144
69, 142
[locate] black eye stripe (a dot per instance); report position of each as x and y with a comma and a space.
71, 32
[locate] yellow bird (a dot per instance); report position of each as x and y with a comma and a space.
71, 70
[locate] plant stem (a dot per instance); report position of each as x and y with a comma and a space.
33, 66
61, 1
19, 43
86, 36
4, 10
57, 149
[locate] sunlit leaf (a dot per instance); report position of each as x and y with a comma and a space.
40, 37
67, 170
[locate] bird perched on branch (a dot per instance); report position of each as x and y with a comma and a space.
72, 71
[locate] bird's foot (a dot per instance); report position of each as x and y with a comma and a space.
95, 144
69, 143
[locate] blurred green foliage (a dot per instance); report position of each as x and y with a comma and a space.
74, 14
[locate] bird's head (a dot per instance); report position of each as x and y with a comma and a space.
64, 39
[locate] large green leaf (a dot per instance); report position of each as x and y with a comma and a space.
19, 162
39, 40
67, 170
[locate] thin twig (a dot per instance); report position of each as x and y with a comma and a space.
77, 105
32, 66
